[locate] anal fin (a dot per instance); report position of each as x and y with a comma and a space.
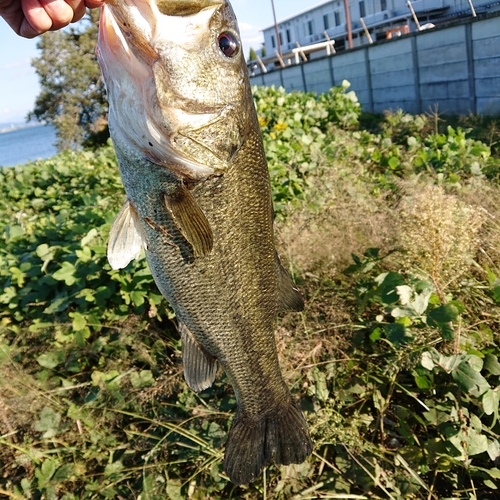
126, 238
199, 367
290, 299
190, 220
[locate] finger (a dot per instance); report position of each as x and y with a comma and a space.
79, 9
94, 4
59, 11
36, 21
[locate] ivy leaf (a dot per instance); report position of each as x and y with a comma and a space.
89, 237
79, 321
66, 273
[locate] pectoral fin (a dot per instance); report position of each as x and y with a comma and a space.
199, 367
190, 220
125, 238
289, 296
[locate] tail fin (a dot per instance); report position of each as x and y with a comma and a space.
281, 437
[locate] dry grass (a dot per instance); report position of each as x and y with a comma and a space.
439, 233
351, 218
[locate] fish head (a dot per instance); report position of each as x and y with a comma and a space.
176, 81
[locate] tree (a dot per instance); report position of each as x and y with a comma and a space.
73, 93
252, 56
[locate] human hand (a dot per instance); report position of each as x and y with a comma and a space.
29, 18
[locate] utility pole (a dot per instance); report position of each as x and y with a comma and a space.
278, 38
348, 23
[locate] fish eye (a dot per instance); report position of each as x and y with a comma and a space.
228, 44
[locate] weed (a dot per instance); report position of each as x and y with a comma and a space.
396, 360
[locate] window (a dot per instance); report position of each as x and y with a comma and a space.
309, 28
273, 41
326, 21
362, 9
288, 36
383, 4
281, 38
336, 14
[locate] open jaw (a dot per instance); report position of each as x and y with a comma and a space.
165, 128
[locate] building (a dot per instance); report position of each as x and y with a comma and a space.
383, 19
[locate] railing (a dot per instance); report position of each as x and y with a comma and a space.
293, 55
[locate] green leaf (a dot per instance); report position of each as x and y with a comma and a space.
45, 472
59, 304
490, 484
48, 423
491, 364
89, 237
66, 273
174, 491
469, 380
388, 287
496, 293
137, 297
494, 451
142, 379
79, 321
449, 363
447, 332
397, 334
476, 443
322, 392
51, 359
394, 162
444, 313
491, 401
428, 361
495, 473
113, 468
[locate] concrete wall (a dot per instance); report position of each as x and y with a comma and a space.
456, 68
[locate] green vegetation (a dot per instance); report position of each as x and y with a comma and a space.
72, 96
252, 55
390, 227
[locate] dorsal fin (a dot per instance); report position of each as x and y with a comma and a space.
290, 299
199, 367
126, 238
190, 220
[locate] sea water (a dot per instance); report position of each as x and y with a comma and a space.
27, 143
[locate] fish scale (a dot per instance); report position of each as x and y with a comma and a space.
199, 202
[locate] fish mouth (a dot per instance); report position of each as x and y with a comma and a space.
164, 129
145, 109
184, 7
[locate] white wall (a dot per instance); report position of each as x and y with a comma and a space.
456, 68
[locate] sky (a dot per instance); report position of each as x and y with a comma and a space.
19, 83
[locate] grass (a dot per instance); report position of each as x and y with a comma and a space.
395, 360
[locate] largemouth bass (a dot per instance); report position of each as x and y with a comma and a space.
187, 138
